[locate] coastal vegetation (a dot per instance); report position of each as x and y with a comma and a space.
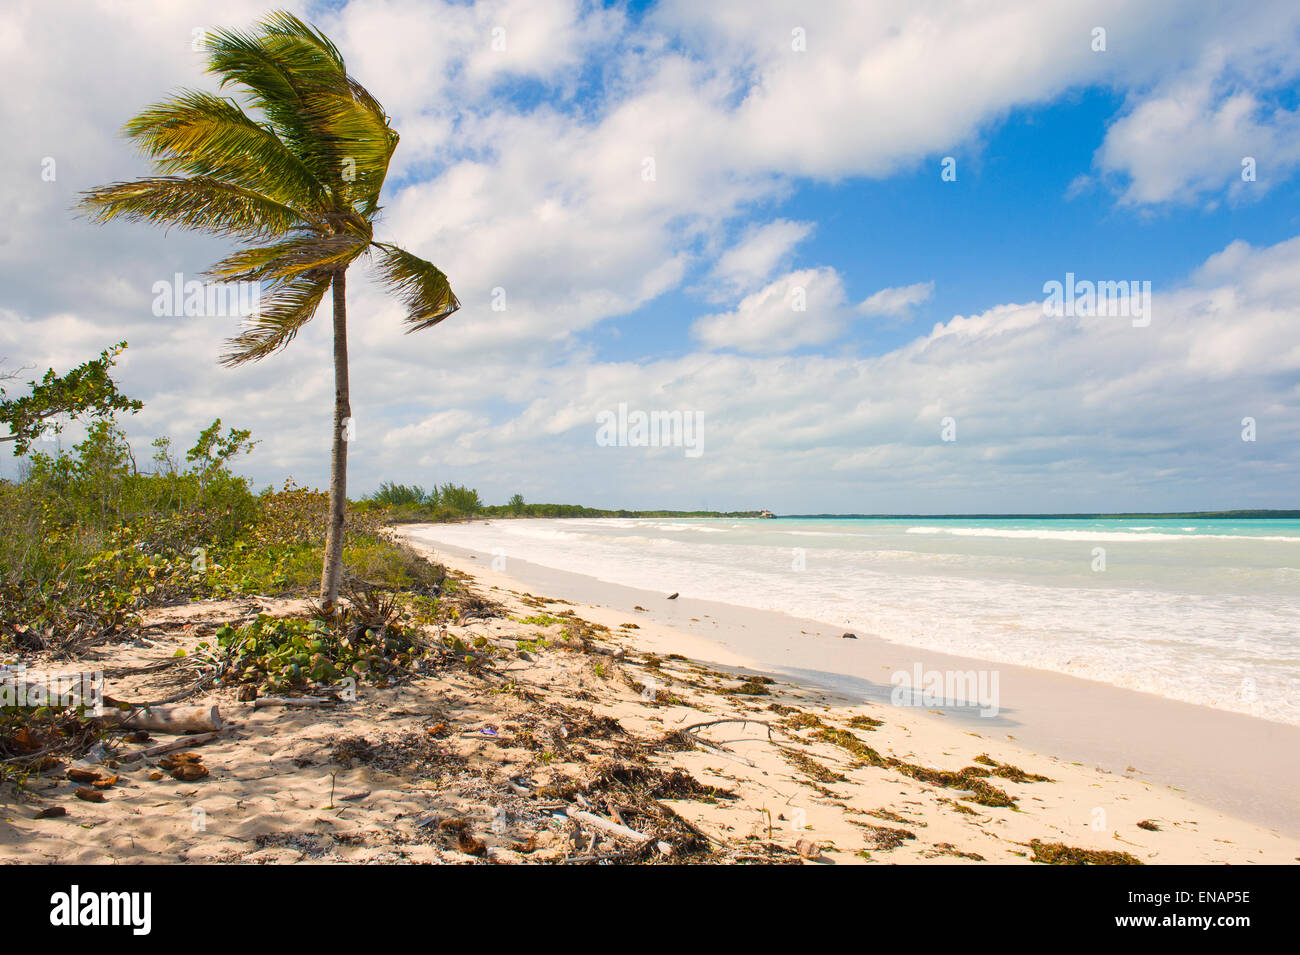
297, 181
401, 503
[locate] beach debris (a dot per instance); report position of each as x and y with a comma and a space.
848, 636
89, 795
810, 767
178, 743
948, 849
865, 722
884, 837
755, 686
607, 826
674, 595
167, 719
1013, 773
264, 701
51, 812
184, 766
80, 775
1149, 825
470, 844
1056, 853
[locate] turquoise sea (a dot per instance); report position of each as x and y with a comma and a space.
1206, 611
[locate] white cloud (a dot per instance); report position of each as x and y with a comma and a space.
751, 260
897, 301
1053, 413
1190, 142
802, 308
542, 194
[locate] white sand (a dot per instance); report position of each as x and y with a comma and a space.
274, 794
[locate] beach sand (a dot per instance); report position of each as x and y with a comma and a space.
488, 764
1241, 765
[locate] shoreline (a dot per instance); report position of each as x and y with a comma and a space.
1228, 762
538, 730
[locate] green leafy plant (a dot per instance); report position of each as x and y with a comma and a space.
86, 391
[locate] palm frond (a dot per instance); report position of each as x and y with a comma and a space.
297, 77
422, 286
363, 144
304, 254
200, 203
281, 23
278, 74
205, 135
290, 306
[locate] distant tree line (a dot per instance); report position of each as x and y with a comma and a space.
449, 502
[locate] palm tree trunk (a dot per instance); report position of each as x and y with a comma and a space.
332, 571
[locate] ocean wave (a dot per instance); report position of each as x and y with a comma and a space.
1195, 629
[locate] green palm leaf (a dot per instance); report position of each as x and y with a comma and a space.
205, 135
277, 321
200, 202
422, 286
315, 254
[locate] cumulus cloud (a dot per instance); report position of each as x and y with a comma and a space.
525, 170
1190, 142
1068, 411
751, 260
802, 308
896, 302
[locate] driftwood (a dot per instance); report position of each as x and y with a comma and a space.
606, 826
181, 742
167, 719
265, 701
696, 726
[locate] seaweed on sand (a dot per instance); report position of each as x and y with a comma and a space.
884, 837
810, 767
1057, 853
1013, 773
865, 723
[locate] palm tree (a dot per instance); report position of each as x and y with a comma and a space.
298, 186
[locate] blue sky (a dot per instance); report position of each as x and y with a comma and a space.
993, 235
779, 172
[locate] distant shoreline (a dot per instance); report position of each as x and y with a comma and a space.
597, 514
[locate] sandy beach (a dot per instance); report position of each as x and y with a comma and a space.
599, 732
1237, 764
